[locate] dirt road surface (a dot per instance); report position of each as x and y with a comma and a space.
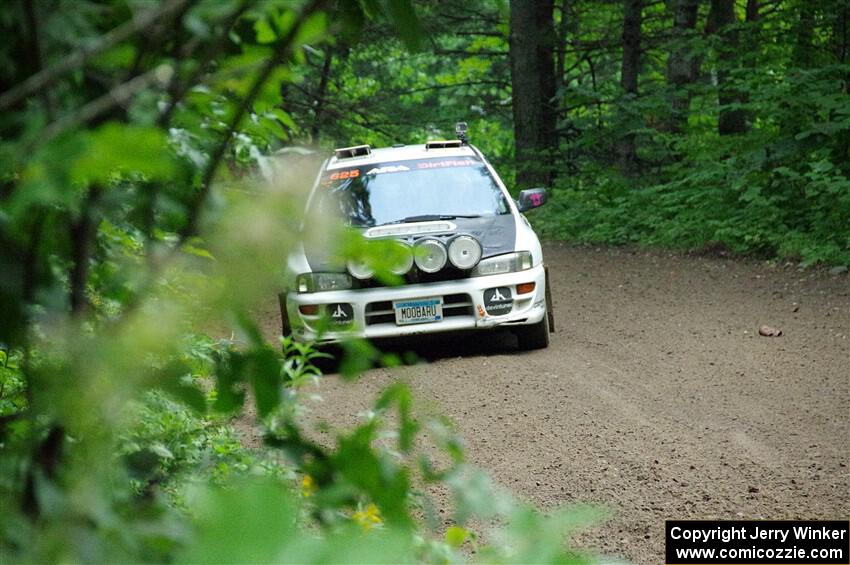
657, 398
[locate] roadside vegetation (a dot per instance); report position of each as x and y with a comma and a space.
691, 124
141, 212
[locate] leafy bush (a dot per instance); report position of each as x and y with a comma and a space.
132, 224
782, 189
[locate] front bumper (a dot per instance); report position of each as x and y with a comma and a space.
373, 316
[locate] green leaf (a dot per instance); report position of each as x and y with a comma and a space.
119, 149
399, 393
173, 380
352, 16
377, 475
313, 29
161, 451
265, 378
117, 58
265, 32
190, 396
284, 118
197, 251
403, 18
228, 372
359, 355
248, 524
455, 536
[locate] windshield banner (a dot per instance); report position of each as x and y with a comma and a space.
331, 177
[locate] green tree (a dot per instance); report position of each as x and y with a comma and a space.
134, 217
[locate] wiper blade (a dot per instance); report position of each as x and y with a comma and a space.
430, 218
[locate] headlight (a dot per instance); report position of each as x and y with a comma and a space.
500, 264
464, 252
430, 255
318, 282
360, 269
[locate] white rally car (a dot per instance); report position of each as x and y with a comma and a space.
474, 261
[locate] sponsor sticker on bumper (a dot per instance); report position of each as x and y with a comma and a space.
498, 301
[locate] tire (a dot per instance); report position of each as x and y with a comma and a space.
285, 328
535, 336
550, 310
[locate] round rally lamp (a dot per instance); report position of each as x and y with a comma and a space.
405, 262
430, 255
360, 270
464, 252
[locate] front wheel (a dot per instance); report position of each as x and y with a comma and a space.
286, 329
535, 336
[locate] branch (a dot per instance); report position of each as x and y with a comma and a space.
467, 18
156, 38
119, 95
274, 59
190, 229
35, 48
394, 93
481, 33
444, 86
178, 90
345, 116
320, 97
77, 59
471, 53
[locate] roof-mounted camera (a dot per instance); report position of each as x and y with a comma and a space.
460, 131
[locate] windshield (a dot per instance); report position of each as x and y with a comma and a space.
417, 190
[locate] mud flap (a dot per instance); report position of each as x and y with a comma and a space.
550, 311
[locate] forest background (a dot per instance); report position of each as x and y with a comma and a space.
132, 221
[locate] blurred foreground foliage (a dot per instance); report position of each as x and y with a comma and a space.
133, 221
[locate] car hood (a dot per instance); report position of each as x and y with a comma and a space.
497, 235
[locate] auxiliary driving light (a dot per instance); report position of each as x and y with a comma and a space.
430, 255
360, 269
405, 260
464, 252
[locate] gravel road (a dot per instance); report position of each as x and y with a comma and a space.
657, 397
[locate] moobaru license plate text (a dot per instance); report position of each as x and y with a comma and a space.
418, 311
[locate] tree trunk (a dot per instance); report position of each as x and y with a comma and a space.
315, 129
841, 34
532, 42
803, 55
683, 64
81, 235
561, 47
841, 46
568, 27
721, 21
843, 43
629, 71
752, 11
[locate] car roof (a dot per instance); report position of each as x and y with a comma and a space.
403, 153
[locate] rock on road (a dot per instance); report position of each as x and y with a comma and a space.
657, 398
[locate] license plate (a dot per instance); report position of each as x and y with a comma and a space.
418, 311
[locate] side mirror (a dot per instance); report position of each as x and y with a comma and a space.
532, 198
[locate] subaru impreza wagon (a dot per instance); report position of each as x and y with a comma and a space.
472, 260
